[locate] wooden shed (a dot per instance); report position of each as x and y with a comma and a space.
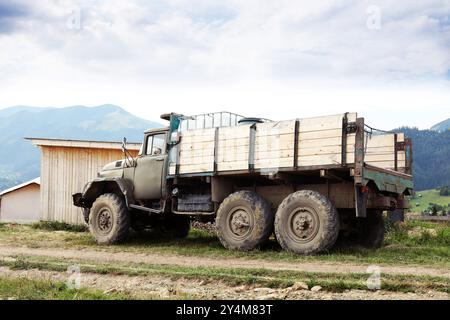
20, 204
66, 166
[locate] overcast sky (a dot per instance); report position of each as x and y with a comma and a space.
387, 60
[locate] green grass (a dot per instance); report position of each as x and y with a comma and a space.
58, 226
428, 196
420, 233
26, 289
332, 282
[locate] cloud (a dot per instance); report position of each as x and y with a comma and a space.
58, 51
11, 12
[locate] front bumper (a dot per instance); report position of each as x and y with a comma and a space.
78, 199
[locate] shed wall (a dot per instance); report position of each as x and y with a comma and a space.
65, 171
21, 205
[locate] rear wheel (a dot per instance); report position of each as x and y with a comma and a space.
306, 222
109, 220
244, 221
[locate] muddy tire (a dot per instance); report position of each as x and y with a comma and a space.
109, 220
372, 230
244, 221
176, 226
306, 222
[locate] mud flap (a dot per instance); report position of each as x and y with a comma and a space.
360, 202
396, 215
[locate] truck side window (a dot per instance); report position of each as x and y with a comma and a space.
156, 144
159, 142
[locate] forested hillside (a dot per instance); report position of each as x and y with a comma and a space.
431, 157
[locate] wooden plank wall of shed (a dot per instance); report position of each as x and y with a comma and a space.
65, 171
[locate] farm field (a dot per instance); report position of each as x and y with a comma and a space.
34, 260
427, 197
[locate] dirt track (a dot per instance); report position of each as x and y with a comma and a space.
170, 259
160, 287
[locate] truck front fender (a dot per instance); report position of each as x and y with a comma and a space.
101, 186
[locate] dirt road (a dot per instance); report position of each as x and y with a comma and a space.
160, 287
170, 259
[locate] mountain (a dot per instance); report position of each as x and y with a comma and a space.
11, 110
431, 157
442, 126
19, 159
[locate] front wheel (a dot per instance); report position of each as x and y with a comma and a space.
109, 220
306, 222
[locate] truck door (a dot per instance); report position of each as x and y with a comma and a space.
150, 167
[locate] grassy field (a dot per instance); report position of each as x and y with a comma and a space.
428, 196
26, 289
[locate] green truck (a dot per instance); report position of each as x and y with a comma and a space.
305, 181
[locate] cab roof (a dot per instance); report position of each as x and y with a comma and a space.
156, 129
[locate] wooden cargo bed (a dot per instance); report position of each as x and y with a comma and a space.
293, 144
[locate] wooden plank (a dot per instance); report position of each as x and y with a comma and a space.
232, 156
325, 123
193, 168
230, 133
320, 150
196, 146
237, 165
324, 134
234, 142
275, 128
196, 153
321, 160
385, 140
309, 143
193, 160
274, 142
274, 163
383, 157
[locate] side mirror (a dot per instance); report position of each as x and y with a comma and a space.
175, 137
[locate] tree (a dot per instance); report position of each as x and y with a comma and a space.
444, 191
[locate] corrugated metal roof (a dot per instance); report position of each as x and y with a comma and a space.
82, 143
22, 185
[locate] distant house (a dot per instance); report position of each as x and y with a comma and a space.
66, 166
21, 203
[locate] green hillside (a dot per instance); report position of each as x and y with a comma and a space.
424, 198
431, 157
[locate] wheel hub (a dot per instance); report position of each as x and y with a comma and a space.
304, 224
105, 220
240, 222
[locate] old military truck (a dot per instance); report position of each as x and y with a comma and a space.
305, 180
